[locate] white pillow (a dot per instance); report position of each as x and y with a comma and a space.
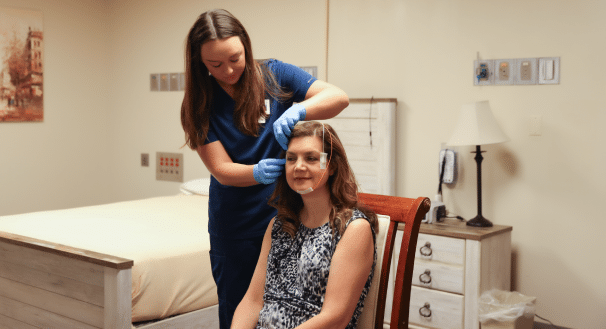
199, 186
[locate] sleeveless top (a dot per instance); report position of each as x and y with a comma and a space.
297, 275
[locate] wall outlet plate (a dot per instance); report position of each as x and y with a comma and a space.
526, 71
504, 71
144, 159
483, 72
169, 166
549, 70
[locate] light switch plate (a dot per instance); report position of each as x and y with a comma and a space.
535, 125
526, 71
483, 72
504, 71
549, 70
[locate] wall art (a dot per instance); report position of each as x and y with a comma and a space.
21, 65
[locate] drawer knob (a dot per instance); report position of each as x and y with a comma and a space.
425, 311
426, 250
425, 277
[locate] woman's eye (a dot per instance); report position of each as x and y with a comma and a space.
290, 159
216, 66
312, 159
235, 60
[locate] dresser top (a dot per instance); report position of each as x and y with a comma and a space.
455, 228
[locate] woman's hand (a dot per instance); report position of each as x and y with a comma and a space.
286, 122
268, 170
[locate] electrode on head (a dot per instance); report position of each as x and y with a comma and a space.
323, 155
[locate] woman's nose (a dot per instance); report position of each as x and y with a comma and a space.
299, 165
229, 70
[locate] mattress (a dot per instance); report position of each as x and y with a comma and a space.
166, 237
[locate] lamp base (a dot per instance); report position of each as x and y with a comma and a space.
479, 221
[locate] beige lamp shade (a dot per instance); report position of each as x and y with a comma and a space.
477, 126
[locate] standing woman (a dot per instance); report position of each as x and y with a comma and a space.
237, 114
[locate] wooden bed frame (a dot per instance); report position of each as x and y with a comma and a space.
49, 285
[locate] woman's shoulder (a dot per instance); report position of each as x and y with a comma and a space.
277, 66
276, 223
269, 62
355, 214
359, 222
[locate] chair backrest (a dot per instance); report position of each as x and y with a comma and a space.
396, 210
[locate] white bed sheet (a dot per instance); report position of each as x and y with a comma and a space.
166, 237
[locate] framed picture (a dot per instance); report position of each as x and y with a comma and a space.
21, 65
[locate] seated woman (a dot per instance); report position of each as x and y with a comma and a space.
318, 253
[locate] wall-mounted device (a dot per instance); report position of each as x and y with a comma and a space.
483, 72
516, 71
449, 159
169, 166
437, 210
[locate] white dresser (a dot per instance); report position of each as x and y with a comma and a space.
454, 264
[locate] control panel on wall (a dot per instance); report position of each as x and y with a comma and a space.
517, 71
167, 81
169, 166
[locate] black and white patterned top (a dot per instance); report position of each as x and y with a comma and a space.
297, 274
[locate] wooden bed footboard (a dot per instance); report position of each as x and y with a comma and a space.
48, 285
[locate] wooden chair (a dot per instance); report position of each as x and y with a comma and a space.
410, 212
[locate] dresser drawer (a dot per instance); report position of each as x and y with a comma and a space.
440, 249
440, 276
441, 309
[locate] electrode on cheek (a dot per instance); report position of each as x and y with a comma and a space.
323, 156
307, 190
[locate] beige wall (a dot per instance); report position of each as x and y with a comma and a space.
100, 114
62, 162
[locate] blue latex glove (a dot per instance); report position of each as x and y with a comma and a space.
286, 122
268, 170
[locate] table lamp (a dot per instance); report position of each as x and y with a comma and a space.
477, 126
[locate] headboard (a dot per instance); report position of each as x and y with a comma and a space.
367, 128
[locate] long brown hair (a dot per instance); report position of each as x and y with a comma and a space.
249, 94
341, 184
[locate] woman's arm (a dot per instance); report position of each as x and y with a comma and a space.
247, 312
324, 101
221, 166
349, 270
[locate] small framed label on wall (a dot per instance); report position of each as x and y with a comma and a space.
22, 68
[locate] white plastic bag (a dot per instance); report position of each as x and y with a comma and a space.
505, 306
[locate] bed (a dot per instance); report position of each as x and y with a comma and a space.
138, 264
